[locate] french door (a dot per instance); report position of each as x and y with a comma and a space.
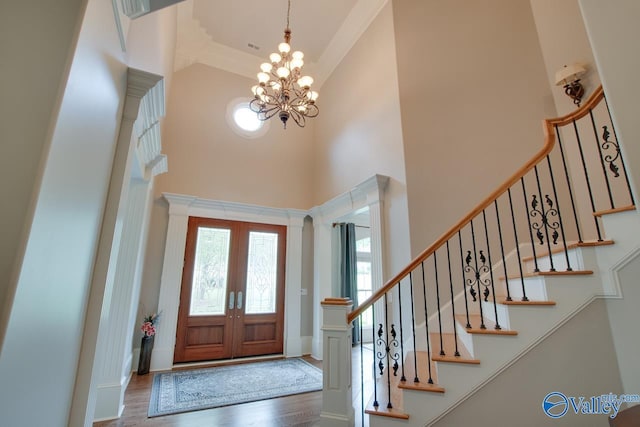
232, 293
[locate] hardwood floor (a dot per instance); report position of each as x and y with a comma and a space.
298, 410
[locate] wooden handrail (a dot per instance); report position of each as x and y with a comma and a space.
550, 139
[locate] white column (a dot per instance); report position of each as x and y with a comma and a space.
292, 341
116, 367
337, 401
322, 280
169, 299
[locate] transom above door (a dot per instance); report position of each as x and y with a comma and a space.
232, 292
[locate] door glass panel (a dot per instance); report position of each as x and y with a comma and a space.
209, 286
262, 265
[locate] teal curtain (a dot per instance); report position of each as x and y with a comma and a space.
348, 270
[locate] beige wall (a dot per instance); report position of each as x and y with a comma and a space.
563, 40
207, 159
575, 360
359, 134
473, 92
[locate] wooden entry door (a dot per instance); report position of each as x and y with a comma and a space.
232, 294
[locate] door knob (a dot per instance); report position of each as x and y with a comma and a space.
239, 300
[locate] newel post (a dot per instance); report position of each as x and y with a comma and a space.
337, 401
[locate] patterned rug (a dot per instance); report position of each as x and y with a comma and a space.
184, 391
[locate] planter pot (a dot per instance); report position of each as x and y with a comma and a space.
145, 355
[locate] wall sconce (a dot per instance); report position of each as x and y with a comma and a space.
568, 76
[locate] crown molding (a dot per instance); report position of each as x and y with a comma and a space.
194, 45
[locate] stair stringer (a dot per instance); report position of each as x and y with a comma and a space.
533, 323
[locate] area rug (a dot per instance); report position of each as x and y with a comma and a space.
184, 391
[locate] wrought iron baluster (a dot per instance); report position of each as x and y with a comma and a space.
464, 286
362, 370
435, 266
533, 245
373, 359
402, 377
493, 290
555, 195
426, 323
515, 234
413, 330
586, 177
608, 158
569, 186
545, 218
504, 260
453, 305
388, 345
476, 274
624, 168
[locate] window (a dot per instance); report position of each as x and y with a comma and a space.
243, 121
363, 271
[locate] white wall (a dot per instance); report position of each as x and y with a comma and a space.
574, 360
613, 32
44, 339
37, 44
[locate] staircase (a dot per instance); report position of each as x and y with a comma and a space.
519, 266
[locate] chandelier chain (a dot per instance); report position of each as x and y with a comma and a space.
288, 13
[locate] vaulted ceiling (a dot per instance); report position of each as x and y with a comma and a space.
238, 35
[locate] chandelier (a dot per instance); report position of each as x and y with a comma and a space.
281, 88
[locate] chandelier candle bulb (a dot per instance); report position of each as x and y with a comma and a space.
281, 89
275, 58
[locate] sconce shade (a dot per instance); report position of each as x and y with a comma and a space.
569, 73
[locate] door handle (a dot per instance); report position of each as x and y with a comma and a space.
239, 300
231, 300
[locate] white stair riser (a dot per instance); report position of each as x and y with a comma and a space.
559, 261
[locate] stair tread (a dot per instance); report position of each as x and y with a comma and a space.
551, 273
573, 245
475, 321
449, 347
615, 210
382, 392
502, 299
422, 361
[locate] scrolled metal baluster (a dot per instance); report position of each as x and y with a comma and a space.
477, 272
493, 290
545, 216
605, 146
464, 286
624, 168
533, 245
